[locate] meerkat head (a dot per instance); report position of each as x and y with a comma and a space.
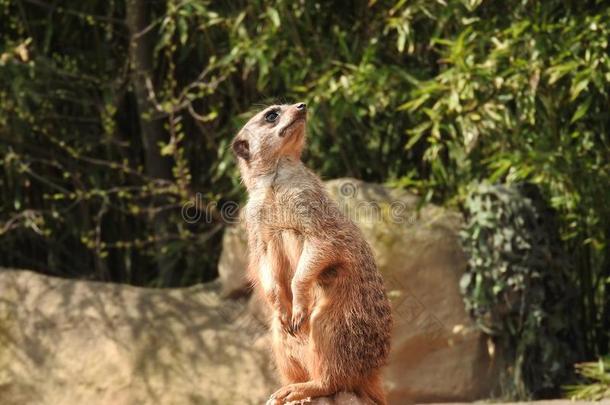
277, 131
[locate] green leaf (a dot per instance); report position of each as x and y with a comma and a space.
577, 88
274, 16
581, 110
557, 72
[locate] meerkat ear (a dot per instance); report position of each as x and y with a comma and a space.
242, 149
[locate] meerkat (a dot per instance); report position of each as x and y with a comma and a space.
331, 317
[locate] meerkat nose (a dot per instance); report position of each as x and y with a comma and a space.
301, 106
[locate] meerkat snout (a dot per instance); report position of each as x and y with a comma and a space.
296, 117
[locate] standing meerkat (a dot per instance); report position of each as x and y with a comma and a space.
331, 318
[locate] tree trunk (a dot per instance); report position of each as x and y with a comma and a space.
141, 55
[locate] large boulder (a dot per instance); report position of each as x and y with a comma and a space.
232, 262
78, 342
437, 353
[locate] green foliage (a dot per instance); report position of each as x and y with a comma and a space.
522, 95
596, 383
517, 285
429, 95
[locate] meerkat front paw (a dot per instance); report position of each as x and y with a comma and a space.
285, 318
299, 316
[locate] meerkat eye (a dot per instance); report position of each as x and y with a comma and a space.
271, 116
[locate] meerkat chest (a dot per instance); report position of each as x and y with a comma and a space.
279, 259
291, 243
275, 245
269, 216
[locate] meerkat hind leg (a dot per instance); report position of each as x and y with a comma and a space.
290, 369
299, 391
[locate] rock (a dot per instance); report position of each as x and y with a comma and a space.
233, 261
340, 398
437, 353
78, 342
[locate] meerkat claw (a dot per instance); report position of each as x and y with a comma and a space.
288, 328
298, 317
285, 320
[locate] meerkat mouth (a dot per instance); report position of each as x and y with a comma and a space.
283, 131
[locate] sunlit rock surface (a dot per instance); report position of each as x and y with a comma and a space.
78, 342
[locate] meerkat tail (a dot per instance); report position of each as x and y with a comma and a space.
372, 389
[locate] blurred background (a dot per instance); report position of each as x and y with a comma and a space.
114, 114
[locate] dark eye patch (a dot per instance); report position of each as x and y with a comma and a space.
272, 116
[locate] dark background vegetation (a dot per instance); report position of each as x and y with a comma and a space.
115, 113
